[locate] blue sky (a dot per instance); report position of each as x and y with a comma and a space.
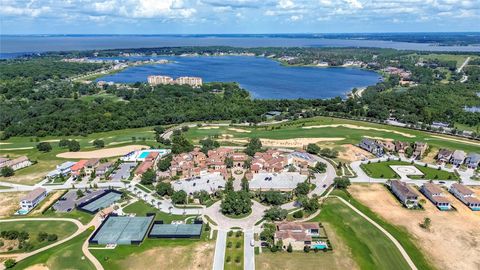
236, 16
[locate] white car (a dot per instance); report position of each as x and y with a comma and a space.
252, 242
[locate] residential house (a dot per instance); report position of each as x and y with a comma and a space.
63, 169
78, 167
404, 193
91, 165
302, 159
297, 234
270, 161
2, 161
239, 159
458, 157
400, 146
444, 155
472, 160
435, 195
419, 150
388, 146
16, 163
103, 168
372, 147
33, 198
466, 195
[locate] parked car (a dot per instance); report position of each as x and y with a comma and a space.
252, 242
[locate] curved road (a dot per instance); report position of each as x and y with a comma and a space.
394, 241
81, 229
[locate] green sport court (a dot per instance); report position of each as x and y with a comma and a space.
175, 230
122, 230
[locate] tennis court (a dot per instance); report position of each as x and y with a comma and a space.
101, 201
122, 230
175, 230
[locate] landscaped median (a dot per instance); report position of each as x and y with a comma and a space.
382, 169
234, 251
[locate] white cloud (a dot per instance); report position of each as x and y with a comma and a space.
294, 18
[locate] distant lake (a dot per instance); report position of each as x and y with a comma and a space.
34, 44
263, 77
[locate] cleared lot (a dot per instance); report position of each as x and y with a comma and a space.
451, 243
9, 203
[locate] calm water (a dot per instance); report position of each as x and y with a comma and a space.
33, 44
264, 78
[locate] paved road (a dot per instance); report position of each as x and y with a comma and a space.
226, 223
395, 242
220, 245
248, 251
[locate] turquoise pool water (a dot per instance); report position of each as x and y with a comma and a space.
143, 154
22, 212
319, 246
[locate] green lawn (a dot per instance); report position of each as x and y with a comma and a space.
140, 208
382, 170
81, 216
61, 228
295, 129
68, 255
370, 248
448, 57
234, 252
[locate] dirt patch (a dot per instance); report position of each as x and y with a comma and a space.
50, 200
8, 245
351, 153
455, 140
196, 257
454, 234
209, 127
408, 135
9, 202
37, 267
430, 157
103, 153
239, 130
2, 143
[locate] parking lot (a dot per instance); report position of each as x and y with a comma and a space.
123, 171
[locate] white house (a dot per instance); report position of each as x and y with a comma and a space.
62, 169
465, 195
33, 198
435, 195
404, 193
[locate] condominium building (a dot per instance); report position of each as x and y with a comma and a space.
192, 81
158, 79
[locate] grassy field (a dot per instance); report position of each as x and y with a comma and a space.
296, 129
370, 248
61, 228
68, 255
81, 216
448, 57
382, 170
140, 208
296, 260
234, 252
160, 254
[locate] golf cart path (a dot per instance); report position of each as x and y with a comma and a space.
394, 241
80, 229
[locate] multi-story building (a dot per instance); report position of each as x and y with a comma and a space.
465, 195
16, 163
78, 167
158, 79
419, 150
91, 165
404, 193
32, 199
436, 196
372, 147
192, 81
444, 155
472, 160
458, 157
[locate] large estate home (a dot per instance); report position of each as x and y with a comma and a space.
302, 160
194, 163
404, 193
465, 195
435, 195
270, 161
372, 146
296, 234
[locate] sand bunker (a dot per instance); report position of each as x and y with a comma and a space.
362, 128
37, 267
379, 138
53, 140
297, 142
210, 127
239, 130
1, 143
103, 153
18, 148
457, 140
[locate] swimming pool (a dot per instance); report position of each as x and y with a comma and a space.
319, 246
22, 212
144, 154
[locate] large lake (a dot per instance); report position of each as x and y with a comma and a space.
264, 78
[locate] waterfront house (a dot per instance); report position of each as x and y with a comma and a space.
444, 155
404, 193
297, 234
32, 199
372, 147
465, 195
458, 157
472, 160
435, 195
